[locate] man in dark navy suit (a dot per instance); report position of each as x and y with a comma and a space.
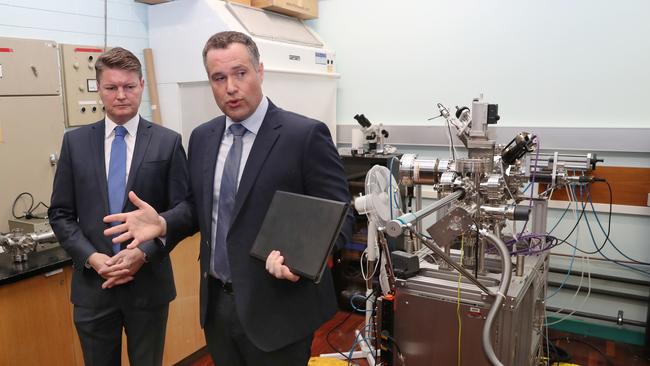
115, 288
252, 313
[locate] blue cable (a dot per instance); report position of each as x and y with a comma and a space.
593, 209
561, 217
602, 254
573, 256
355, 296
358, 338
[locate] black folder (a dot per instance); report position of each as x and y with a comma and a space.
303, 229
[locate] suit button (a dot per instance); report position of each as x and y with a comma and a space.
205, 274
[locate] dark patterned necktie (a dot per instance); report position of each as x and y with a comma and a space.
227, 193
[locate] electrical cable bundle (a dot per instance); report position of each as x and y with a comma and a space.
29, 212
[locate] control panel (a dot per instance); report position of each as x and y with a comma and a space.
82, 103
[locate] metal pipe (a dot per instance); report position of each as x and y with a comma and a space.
647, 328
583, 314
618, 293
600, 275
46, 237
395, 227
431, 245
520, 264
506, 273
418, 206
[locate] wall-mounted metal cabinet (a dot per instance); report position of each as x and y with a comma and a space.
28, 67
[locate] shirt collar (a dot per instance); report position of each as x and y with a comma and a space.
254, 122
131, 126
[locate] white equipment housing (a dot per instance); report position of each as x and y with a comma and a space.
298, 68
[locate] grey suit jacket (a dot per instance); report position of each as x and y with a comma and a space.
158, 175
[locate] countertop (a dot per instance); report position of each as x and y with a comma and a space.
38, 262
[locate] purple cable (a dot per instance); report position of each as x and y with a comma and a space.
531, 250
532, 183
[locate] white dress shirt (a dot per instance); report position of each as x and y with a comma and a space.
252, 124
109, 135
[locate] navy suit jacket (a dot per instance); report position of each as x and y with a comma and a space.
158, 175
291, 153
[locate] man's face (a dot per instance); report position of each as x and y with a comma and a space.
236, 85
121, 93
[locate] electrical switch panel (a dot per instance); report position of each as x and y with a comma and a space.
82, 103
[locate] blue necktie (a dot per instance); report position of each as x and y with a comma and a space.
117, 175
227, 193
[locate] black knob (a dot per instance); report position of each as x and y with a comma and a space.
595, 160
493, 114
460, 111
521, 213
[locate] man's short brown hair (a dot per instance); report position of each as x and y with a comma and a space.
222, 40
120, 59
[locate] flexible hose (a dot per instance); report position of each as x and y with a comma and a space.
506, 272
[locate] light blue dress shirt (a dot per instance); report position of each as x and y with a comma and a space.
252, 124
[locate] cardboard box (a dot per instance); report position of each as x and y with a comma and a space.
244, 2
303, 9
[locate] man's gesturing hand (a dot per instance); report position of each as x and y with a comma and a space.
140, 225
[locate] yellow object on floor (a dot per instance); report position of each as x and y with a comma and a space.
326, 361
545, 361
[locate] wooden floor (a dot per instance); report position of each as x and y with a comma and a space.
584, 351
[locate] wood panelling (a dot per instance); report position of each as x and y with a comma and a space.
184, 333
36, 322
76, 347
630, 186
37, 328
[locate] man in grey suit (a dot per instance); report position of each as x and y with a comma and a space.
253, 313
115, 288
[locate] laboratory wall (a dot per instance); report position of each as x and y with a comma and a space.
553, 64
556, 64
578, 63
81, 22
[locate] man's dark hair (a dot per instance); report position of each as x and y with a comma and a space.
222, 40
120, 59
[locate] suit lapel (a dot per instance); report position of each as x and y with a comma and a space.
210, 153
98, 134
139, 152
266, 137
